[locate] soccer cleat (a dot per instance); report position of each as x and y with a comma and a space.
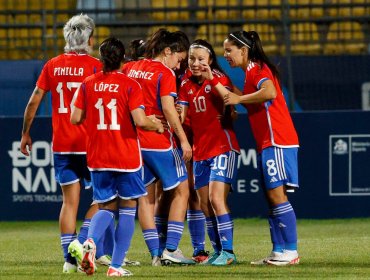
156, 261
175, 257
211, 258
118, 272
75, 249
288, 257
69, 268
128, 262
200, 257
225, 258
88, 260
104, 260
79, 269
264, 260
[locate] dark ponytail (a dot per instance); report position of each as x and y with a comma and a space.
252, 41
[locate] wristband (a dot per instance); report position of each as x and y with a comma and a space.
214, 81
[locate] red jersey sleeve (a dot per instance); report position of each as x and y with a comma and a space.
183, 96
259, 75
43, 80
167, 83
136, 97
223, 79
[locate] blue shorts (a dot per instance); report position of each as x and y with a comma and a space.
168, 166
279, 166
221, 168
107, 185
70, 168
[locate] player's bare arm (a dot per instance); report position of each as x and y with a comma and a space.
183, 111
147, 122
170, 112
78, 116
29, 115
265, 93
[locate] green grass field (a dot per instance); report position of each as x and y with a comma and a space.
329, 249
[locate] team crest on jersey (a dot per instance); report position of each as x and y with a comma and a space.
207, 89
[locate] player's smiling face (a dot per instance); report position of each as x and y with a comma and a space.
233, 54
197, 58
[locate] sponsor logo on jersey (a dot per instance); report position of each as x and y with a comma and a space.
273, 180
220, 173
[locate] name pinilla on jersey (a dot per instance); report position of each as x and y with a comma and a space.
68, 71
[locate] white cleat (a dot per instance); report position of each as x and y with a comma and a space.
129, 262
288, 257
175, 257
118, 272
156, 261
104, 260
69, 268
264, 260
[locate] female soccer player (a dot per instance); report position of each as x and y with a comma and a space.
215, 147
275, 135
109, 101
162, 159
62, 75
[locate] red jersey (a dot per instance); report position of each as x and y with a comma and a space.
156, 80
270, 121
63, 75
205, 105
127, 66
108, 100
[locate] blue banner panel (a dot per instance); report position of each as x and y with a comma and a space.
29, 190
334, 170
18, 79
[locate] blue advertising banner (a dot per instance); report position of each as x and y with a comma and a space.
334, 170
28, 187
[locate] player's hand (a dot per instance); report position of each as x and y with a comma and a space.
26, 144
178, 109
206, 71
160, 128
233, 113
231, 99
186, 151
163, 120
157, 120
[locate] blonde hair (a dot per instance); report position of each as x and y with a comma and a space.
77, 32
